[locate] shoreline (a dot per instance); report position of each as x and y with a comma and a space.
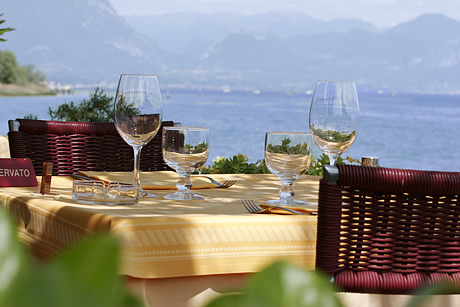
24, 90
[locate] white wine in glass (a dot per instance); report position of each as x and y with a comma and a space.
334, 117
138, 112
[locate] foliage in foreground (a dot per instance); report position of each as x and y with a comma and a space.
3, 30
98, 108
86, 275
282, 284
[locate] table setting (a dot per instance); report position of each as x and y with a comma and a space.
138, 109
179, 223
175, 223
138, 112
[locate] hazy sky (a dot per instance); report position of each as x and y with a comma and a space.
378, 12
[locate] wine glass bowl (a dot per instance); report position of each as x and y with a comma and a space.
288, 156
185, 149
138, 113
334, 117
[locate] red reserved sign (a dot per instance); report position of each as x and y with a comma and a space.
17, 173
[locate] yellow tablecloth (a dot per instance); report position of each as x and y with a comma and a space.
4, 147
165, 238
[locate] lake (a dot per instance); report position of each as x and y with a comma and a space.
404, 130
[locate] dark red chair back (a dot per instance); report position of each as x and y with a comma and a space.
80, 146
388, 231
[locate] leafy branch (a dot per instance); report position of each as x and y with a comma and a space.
236, 165
316, 166
4, 30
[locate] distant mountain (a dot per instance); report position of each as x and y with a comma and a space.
82, 41
421, 55
191, 33
277, 50
87, 42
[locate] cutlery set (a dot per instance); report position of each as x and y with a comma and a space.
224, 185
250, 205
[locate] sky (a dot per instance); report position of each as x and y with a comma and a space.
382, 13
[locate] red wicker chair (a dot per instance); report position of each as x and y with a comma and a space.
79, 146
388, 231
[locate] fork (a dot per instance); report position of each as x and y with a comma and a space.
252, 207
223, 185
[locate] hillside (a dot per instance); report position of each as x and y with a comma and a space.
78, 42
86, 43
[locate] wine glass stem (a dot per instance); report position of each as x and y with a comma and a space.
184, 184
287, 194
137, 165
332, 159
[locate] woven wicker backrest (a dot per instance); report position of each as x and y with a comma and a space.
389, 231
78, 146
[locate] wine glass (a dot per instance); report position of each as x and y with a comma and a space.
185, 149
334, 117
288, 156
138, 113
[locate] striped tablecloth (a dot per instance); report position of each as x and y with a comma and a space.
166, 238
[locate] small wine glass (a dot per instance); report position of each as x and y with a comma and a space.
334, 117
185, 149
138, 113
288, 156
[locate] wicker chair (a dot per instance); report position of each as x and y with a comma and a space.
388, 231
79, 146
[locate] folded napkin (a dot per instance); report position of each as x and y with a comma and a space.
274, 210
161, 180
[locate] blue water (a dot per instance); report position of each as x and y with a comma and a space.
404, 131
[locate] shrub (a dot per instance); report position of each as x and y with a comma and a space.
236, 165
98, 108
239, 165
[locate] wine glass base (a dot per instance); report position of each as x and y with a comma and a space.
145, 194
287, 202
184, 196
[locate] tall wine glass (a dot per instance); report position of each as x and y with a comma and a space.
288, 156
185, 149
138, 113
334, 117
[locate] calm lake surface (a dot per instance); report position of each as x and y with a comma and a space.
404, 131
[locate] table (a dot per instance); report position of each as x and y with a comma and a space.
202, 245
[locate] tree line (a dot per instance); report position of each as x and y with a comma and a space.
13, 73
10, 70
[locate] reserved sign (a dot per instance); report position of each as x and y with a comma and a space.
17, 173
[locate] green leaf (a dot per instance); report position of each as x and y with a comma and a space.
283, 284
227, 300
421, 296
13, 262
85, 275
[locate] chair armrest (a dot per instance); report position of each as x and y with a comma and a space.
330, 174
13, 125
